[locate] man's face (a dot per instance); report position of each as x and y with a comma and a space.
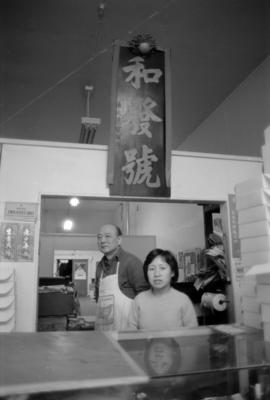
107, 238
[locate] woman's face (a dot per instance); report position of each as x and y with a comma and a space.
159, 274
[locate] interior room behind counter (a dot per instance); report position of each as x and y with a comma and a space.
179, 227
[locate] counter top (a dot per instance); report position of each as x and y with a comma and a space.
55, 361
93, 362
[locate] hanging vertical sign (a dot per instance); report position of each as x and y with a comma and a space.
140, 150
235, 241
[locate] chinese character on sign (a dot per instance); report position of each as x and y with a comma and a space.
139, 170
146, 115
8, 241
26, 242
137, 72
135, 116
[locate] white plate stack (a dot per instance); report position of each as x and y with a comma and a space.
7, 299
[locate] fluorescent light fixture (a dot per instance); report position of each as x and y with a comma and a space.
74, 201
68, 224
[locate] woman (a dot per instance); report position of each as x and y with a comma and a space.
161, 307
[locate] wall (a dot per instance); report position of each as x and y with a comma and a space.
139, 246
31, 169
243, 115
85, 224
209, 177
177, 226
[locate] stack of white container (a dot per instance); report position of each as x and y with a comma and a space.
253, 206
7, 299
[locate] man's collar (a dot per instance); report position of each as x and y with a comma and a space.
115, 254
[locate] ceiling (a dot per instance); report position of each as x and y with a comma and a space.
59, 203
91, 205
51, 49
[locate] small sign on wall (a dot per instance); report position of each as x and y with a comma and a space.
25, 211
17, 242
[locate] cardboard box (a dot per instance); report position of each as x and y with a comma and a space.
55, 304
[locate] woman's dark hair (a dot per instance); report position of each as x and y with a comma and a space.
167, 256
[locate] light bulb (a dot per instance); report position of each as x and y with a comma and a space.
74, 201
68, 224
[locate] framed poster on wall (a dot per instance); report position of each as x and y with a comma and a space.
191, 262
180, 260
80, 276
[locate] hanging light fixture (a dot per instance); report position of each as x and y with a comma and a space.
101, 9
143, 44
89, 125
68, 222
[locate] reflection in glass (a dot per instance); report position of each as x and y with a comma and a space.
162, 357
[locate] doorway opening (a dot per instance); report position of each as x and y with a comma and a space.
182, 228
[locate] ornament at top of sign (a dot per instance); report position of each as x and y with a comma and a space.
143, 44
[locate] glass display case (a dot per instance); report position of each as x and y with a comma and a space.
213, 362
209, 362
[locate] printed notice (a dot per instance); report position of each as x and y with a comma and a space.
24, 211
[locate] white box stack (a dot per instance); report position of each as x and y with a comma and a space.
253, 207
263, 284
266, 151
250, 306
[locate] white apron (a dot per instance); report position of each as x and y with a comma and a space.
113, 306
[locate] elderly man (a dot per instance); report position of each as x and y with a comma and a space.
119, 277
